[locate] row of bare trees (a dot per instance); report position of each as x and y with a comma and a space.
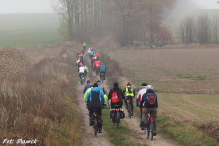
132, 20
203, 30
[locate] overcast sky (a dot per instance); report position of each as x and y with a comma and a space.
43, 6
25, 6
208, 4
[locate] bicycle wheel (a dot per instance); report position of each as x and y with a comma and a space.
129, 110
147, 132
95, 127
117, 120
151, 130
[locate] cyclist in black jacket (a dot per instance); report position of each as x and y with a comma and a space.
119, 94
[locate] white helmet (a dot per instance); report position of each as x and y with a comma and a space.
150, 87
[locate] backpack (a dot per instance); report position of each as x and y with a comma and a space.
114, 97
150, 99
129, 90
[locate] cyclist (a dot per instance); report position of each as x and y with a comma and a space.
147, 107
97, 56
96, 65
119, 94
85, 70
101, 86
80, 71
139, 97
93, 59
95, 99
91, 53
87, 86
102, 70
87, 91
129, 93
78, 52
84, 46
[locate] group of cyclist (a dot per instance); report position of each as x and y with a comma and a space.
95, 96
98, 67
82, 68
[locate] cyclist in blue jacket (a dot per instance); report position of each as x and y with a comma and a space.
102, 69
95, 99
149, 107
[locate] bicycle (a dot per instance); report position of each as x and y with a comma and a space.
97, 70
82, 79
149, 127
117, 115
129, 108
102, 77
96, 122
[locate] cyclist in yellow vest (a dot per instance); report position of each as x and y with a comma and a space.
129, 93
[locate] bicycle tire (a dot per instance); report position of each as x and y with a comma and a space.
151, 130
117, 120
129, 110
147, 132
95, 127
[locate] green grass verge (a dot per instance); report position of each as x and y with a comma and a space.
184, 133
118, 137
193, 77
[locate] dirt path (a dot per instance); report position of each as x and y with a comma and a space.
89, 138
137, 134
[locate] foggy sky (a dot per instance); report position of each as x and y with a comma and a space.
25, 6
43, 6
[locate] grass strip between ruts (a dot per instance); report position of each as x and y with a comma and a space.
118, 137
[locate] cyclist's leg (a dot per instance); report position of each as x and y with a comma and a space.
144, 117
140, 113
154, 115
99, 112
90, 116
112, 107
125, 100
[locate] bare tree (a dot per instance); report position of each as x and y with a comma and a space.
189, 29
65, 8
203, 29
181, 32
215, 27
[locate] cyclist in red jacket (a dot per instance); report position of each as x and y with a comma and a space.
96, 65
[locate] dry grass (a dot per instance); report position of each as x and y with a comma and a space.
34, 104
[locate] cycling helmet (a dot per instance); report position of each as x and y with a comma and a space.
129, 83
98, 81
150, 87
92, 84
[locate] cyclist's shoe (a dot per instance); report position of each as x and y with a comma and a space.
155, 133
113, 124
132, 114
